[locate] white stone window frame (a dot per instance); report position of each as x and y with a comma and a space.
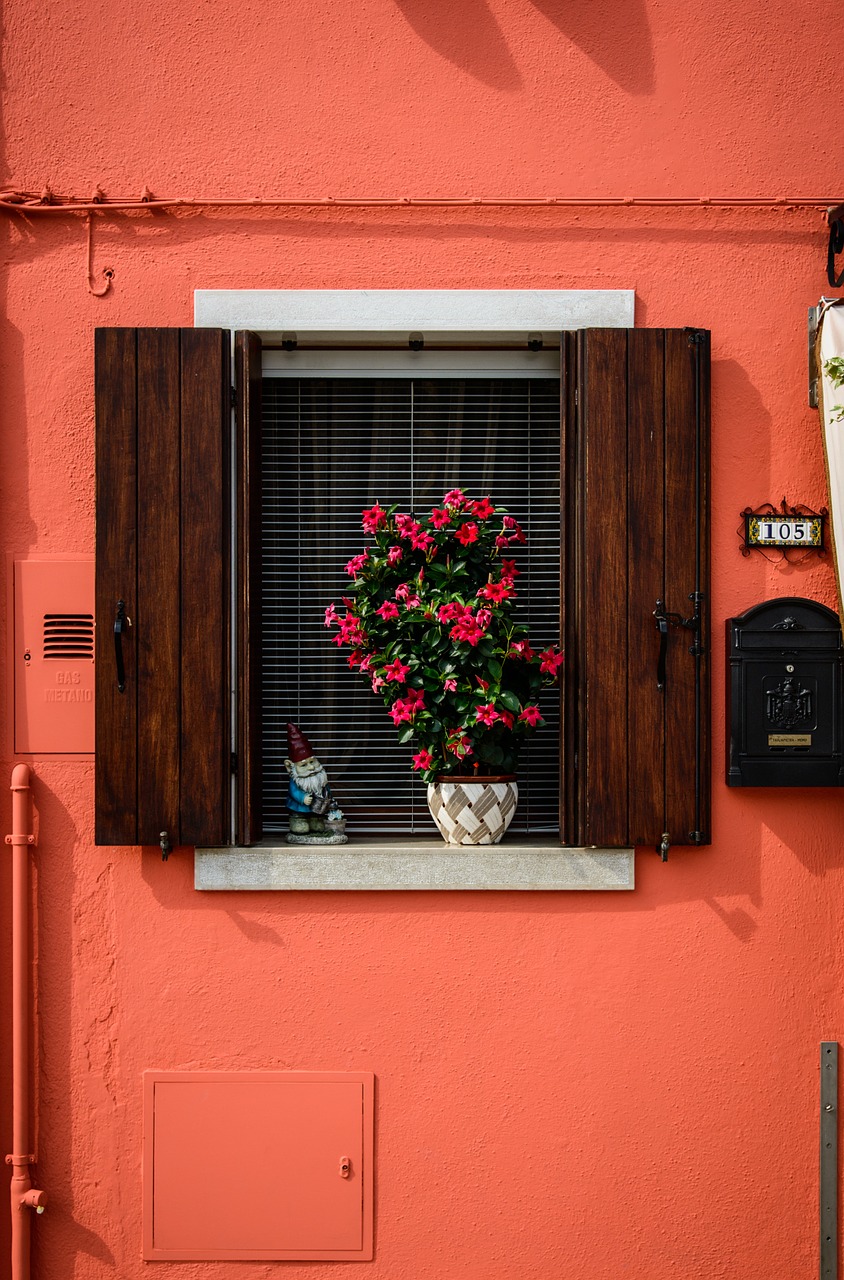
388, 317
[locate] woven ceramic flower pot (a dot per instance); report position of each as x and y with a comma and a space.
473, 810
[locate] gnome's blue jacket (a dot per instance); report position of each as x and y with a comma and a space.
296, 799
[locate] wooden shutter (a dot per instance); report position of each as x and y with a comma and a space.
163, 746
248, 379
635, 454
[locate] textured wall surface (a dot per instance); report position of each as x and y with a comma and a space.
592, 1086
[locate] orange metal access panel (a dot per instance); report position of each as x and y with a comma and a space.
258, 1165
53, 649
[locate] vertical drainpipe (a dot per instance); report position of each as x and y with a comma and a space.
23, 1195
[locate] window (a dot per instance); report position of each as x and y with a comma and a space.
186, 558
332, 446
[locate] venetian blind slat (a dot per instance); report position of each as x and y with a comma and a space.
332, 447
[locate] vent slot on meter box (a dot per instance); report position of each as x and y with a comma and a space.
68, 635
54, 656
258, 1165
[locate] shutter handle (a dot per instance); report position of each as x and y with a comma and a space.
121, 622
664, 620
662, 623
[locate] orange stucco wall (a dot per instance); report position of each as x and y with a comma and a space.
589, 1086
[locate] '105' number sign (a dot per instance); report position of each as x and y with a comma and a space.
790, 527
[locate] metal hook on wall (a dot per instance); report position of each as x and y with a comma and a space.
108, 273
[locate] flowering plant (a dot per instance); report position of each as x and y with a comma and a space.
430, 625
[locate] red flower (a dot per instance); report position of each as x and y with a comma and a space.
508, 568
388, 611
448, 612
373, 519
421, 541
483, 683
532, 715
486, 714
356, 564
331, 616
415, 698
467, 533
496, 591
483, 509
506, 717
550, 660
440, 517
455, 498
467, 630
516, 535
423, 759
521, 649
401, 711
394, 555
449, 684
407, 526
397, 670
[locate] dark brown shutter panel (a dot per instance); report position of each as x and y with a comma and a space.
635, 454
163, 539
116, 742
249, 607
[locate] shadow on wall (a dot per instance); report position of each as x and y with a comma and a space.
616, 38
466, 35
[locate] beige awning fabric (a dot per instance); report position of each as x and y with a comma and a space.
831, 406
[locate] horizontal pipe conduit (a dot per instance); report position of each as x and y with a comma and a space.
49, 203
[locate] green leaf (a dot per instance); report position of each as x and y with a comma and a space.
405, 732
494, 669
509, 700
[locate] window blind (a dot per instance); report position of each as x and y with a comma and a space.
332, 446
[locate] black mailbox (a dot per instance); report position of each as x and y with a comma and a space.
786, 696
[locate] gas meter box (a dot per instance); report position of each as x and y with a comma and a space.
786, 696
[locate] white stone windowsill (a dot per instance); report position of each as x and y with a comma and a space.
413, 864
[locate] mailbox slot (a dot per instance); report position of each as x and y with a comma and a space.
786, 696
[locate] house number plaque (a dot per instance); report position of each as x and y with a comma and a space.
783, 530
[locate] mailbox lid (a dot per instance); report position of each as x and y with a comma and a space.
789, 624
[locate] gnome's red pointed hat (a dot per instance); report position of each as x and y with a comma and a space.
298, 747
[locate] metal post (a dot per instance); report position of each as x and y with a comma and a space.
829, 1160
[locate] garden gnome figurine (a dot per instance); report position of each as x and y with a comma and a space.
314, 815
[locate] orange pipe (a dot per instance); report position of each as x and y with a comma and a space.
23, 1195
28, 202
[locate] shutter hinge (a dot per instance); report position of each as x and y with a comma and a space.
696, 337
234, 762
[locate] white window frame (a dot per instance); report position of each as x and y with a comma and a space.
388, 317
